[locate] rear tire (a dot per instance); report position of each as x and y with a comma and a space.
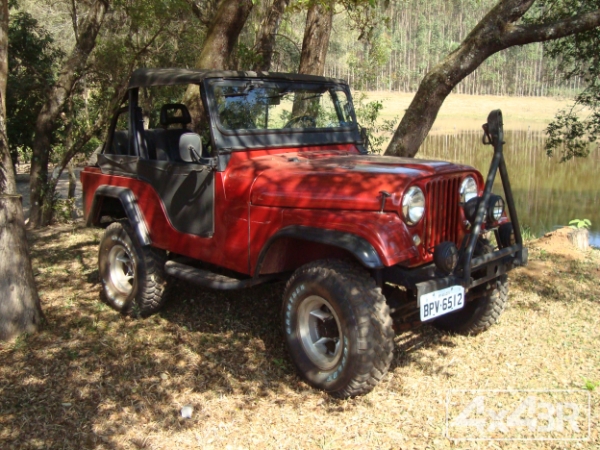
337, 326
132, 275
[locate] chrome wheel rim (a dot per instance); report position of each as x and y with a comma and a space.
122, 269
320, 332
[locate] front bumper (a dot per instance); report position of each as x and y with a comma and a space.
484, 268
473, 270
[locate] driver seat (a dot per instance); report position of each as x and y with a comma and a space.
167, 139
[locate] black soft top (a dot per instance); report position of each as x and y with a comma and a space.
173, 76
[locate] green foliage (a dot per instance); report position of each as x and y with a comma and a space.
64, 210
580, 223
570, 134
390, 45
573, 132
367, 114
137, 33
590, 385
527, 234
246, 56
32, 59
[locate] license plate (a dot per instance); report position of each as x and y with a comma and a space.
444, 301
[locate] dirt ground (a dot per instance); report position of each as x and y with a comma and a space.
95, 380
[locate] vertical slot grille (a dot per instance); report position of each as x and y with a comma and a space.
441, 220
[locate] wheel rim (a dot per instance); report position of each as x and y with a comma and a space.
122, 270
320, 332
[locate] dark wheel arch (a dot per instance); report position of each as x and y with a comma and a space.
357, 246
130, 207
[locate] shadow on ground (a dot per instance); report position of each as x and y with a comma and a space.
91, 375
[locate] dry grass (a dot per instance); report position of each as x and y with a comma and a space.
92, 379
469, 112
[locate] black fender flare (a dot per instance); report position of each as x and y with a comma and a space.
359, 247
130, 206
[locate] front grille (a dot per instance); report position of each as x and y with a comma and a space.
441, 220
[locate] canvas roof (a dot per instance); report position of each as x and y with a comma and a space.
173, 76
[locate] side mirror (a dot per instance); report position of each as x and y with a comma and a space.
190, 147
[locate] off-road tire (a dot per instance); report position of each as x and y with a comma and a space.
120, 257
479, 314
358, 312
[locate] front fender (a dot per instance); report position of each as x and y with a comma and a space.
362, 250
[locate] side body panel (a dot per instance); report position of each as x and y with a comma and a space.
228, 247
254, 199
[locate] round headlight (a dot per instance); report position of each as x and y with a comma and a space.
468, 189
413, 205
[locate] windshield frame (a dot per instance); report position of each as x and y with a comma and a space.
228, 141
319, 88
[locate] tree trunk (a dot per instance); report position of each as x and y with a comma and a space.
204, 10
218, 45
72, 189
46, 121
265, 39
8, 182
72, 180
7, 173
495, 32
316, 38
20, 310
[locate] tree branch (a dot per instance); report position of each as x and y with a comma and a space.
296, 46
526, 34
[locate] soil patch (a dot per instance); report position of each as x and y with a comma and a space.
557, 243
91, 379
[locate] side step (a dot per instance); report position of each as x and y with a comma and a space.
211, 279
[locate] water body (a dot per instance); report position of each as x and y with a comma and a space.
548, 193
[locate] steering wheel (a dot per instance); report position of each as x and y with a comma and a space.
312, 123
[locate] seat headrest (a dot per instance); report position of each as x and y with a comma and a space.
168, 114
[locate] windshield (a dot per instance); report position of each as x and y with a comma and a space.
263, 105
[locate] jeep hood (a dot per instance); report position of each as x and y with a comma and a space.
336, 180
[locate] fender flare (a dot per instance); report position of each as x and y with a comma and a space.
359, 247
130, 206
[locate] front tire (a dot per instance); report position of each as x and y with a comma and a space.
337, 327
132, 275
478, 314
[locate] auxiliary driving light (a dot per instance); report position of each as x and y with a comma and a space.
493, 212
495, 208
445, 256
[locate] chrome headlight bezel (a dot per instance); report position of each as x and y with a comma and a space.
413, 205
468, 189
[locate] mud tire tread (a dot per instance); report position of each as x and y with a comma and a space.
485, 313
149, 296
375, 332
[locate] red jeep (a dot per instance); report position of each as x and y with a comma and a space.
273, 181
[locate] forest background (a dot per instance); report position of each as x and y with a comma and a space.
377, 46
